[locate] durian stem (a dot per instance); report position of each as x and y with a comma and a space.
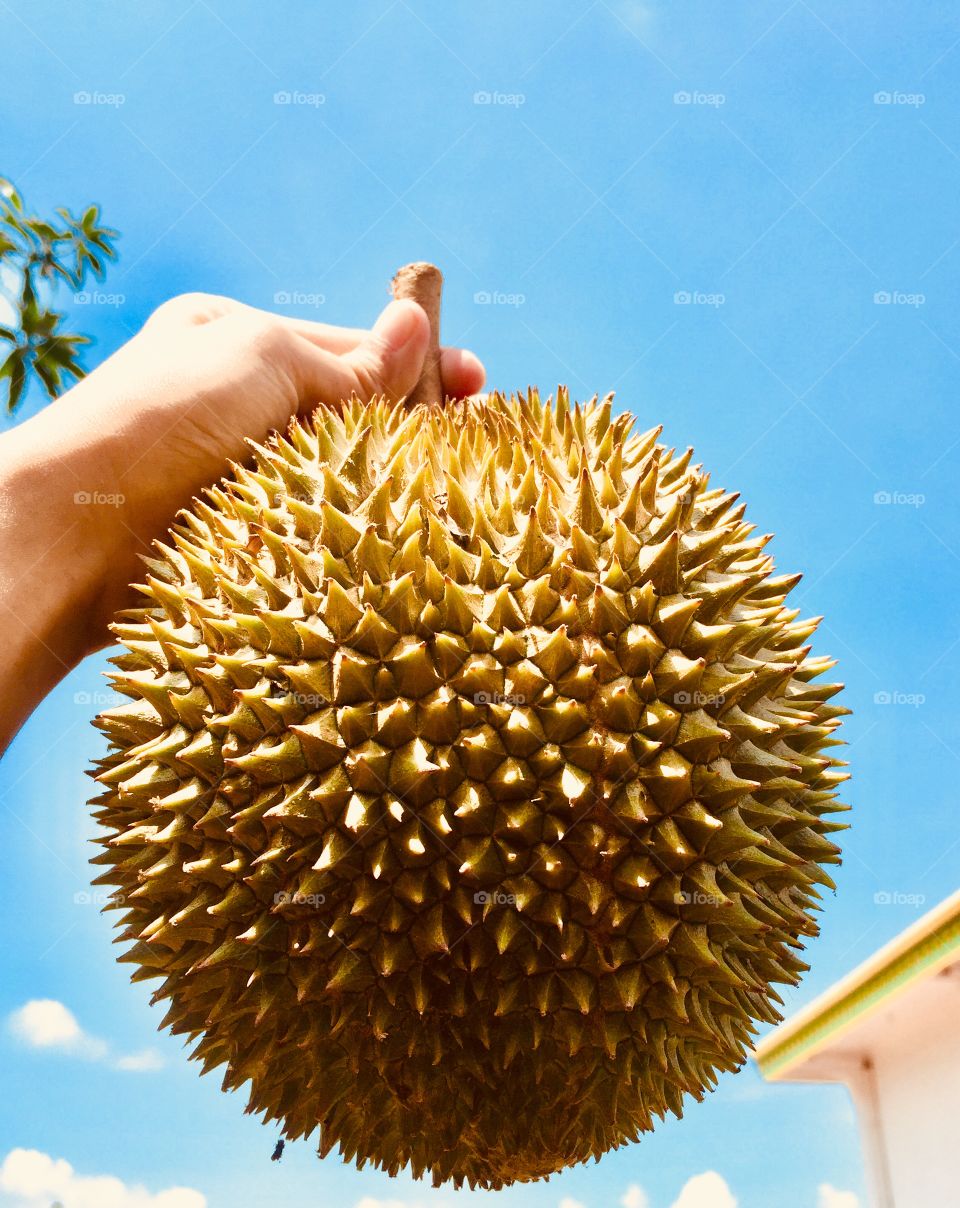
424, 283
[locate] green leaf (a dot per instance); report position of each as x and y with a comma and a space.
9, 194
43, 229
58, 356
46, 323
18, 381
30, 313
62, 269
49, 374
104, 246
10, 360
15, 224
41, 252
14, 368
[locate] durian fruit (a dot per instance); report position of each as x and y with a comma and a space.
473, 793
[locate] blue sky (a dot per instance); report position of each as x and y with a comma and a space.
744, 221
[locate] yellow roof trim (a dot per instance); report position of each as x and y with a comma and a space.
922, 948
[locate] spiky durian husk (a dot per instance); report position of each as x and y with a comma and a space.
473, 790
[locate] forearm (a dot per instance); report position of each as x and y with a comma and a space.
53, 562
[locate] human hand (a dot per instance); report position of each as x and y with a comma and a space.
90, 481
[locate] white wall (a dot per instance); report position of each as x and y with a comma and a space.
917, 1076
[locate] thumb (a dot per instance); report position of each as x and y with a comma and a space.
389, 359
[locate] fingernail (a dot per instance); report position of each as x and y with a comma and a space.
398, 323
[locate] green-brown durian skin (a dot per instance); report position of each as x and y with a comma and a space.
473, 791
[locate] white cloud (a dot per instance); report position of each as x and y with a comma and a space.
634, 1197
461, 1197
44, 1023
8, 284
708, 1190
455, 1201
830, 1197
144, 1061
35, 1180
370, 1201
